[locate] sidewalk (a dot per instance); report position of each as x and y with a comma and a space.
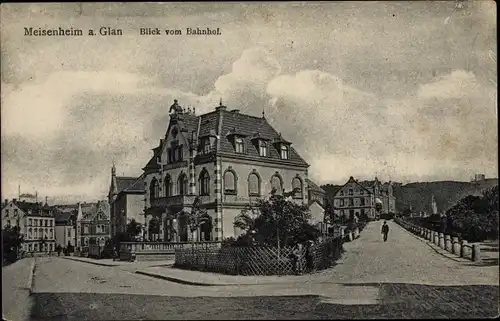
215, 279
111, 263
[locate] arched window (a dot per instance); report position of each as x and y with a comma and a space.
168, 186
297, 187
229, 182
182, 184
253, 185
204, 182
276, 184
284, 152
154, 189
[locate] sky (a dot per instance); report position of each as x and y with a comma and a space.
405, 91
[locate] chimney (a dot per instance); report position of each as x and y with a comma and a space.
14, 200
5, 202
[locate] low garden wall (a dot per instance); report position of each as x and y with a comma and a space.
153, 251
451, 244
262, 260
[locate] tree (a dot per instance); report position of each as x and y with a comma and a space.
196, 217
133, 229
277, 221
12, 240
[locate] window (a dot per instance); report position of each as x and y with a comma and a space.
284, 152
8, 222
229, 182
182, 184
362, 212
69, 232
206, 146
342, 202
30, 233
253, 185
204, 183
341, 193
262, 149
46, 223
51, 234
168, 186
240, 147
169, 156
30, 222
15, 212
276, 185
179, 153
351, 202
361, 192
362, 200
154, 189
297, 187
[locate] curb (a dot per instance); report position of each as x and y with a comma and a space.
187, 282
31, 277
89, 262
181, 281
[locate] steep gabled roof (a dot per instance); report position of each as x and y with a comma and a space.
64, 217
352, 180
137, 186
313, 186
125, 182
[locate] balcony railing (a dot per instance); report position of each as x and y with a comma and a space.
177, 200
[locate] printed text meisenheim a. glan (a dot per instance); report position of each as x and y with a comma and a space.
52, 32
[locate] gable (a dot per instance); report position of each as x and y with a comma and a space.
353, 185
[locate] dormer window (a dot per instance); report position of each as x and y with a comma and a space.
284, 152
206, 146
239, 145
262, 149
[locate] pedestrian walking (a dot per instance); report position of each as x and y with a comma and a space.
385, 230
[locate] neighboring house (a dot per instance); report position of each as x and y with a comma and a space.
226, 158
359, 199
126, 200
12, 215
92, 224
36, 222
66, 228
316, 204
383, 192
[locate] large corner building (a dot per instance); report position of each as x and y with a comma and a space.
227, 159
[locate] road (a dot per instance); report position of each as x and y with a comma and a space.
377, 279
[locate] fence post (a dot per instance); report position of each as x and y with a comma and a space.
455, 245
441, 240
447, 243
476, 253
436, 238
463, 245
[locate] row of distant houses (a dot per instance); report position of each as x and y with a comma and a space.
44, 227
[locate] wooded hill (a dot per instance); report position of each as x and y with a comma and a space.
419, 195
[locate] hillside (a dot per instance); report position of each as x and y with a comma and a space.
419, 195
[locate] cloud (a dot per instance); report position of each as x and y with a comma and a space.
397, 92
